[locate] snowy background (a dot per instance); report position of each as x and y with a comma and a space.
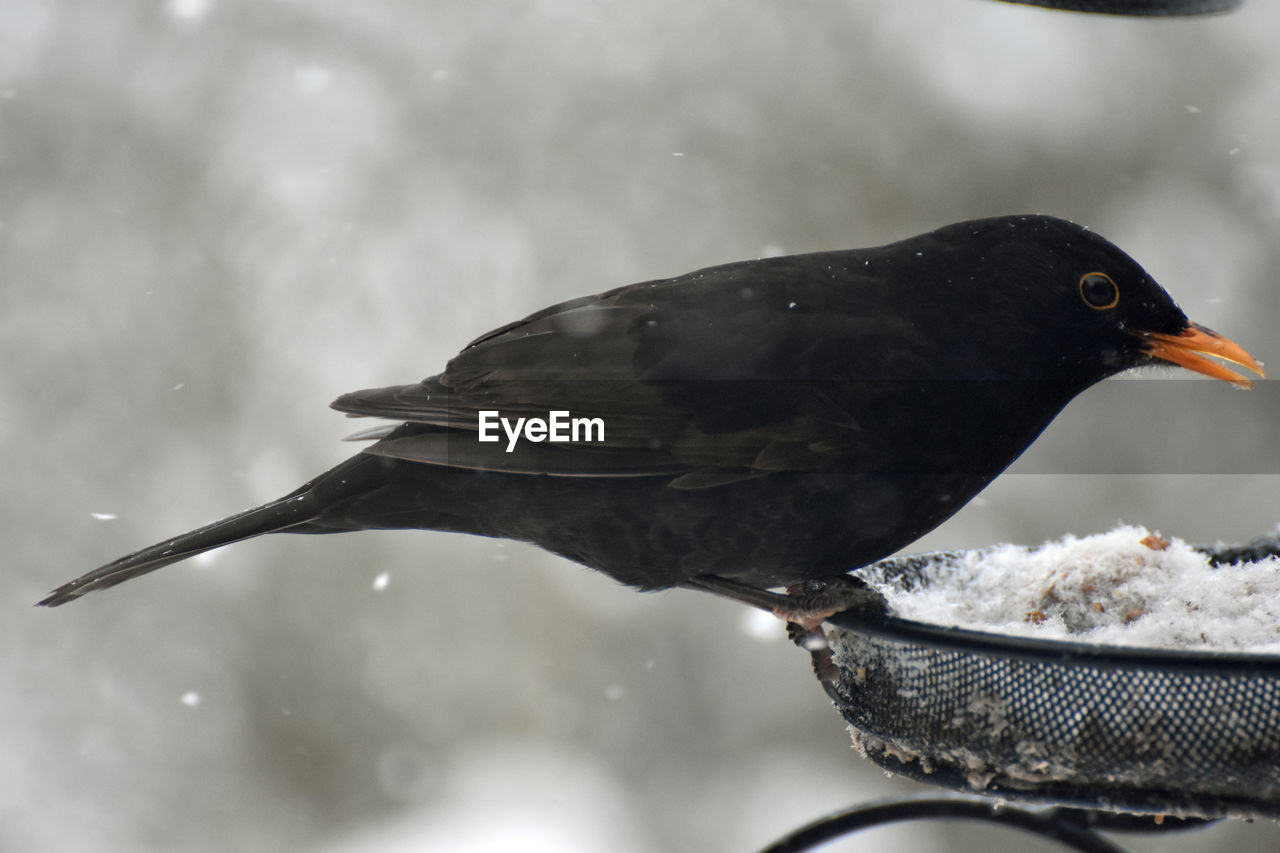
215, 217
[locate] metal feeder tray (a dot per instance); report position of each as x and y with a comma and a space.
1117, 729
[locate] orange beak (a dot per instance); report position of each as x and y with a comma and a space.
1189, 349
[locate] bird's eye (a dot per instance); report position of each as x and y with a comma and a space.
1099, 291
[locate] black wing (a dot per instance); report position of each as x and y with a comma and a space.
730, 372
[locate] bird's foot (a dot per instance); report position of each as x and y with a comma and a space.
817, 601
814, 641
813, 602
804, 607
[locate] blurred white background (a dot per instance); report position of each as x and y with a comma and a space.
218, 215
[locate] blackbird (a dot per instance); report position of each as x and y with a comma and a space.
756, 424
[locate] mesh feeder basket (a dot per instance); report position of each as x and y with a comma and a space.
1100, 727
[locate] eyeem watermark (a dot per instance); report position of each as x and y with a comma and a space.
557, 427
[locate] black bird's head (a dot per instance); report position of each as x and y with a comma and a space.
1068, 299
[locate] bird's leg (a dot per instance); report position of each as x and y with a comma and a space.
805, 604
743, 593
803, 607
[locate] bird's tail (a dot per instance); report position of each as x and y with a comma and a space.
289, 511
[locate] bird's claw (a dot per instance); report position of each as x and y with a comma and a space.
803, 607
